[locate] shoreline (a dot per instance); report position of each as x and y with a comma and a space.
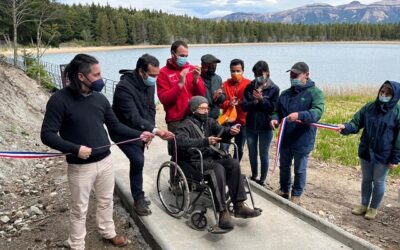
64, 50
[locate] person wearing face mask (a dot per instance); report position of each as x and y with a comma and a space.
379, 149
134, 106
213, 83
177, 82
200, 131
303, 102
259, 101
74, 124
234, 89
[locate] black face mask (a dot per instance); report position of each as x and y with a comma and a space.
200, 117
211, 71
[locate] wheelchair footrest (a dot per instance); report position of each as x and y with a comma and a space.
217, 230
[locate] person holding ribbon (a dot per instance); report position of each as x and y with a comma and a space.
177, 82
74, 124
134, 105
234, 89
259, 101
300, 105
379, 149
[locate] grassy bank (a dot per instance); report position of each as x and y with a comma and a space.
340, 106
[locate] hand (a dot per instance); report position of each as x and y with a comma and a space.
84, 152
392, 166
217, 94
274, 124
164, 134
235, 130
234, 101
146, 137
196, 73
257, 95
341, 127
293, 117
182, 77
212, 140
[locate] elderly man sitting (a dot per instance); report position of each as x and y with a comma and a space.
202, 132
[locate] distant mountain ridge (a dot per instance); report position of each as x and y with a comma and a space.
386, 11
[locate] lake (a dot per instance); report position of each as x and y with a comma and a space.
331, 64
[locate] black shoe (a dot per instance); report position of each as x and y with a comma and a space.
141, 207
243, 211
254, 179
225, 220
261, 183
147, 200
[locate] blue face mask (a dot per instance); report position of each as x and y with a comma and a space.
150, 81
261, 79
384, 99
295, 82
181, 61
97, 85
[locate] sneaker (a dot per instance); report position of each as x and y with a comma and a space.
243, 211
282, 194
295, 199
141, 207
118, 241
371, 213
254, 179
225, 220
359, 210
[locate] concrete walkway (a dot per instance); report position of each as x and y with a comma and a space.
282, 225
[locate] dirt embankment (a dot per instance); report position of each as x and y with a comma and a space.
34, 194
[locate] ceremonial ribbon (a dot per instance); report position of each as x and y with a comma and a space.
281, 133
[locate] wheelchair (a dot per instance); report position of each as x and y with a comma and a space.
181, 196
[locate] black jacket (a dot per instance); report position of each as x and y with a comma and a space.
133, 103
187, 137
259, 115
80, 120
212, 84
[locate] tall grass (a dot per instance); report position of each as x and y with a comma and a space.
340, 106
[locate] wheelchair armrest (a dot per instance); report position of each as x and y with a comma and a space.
198, 151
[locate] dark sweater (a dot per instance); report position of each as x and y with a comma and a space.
80, 120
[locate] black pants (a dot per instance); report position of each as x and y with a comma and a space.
227, 173
135, 154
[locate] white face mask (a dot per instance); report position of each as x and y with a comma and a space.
384, 99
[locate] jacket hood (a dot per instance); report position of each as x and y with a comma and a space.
133, 78
396, 96
172, 65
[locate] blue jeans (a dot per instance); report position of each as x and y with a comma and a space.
265, 137
135, 154
240, 140
300, 171
373, 183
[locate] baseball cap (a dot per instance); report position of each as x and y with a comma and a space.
208, 58
298, 68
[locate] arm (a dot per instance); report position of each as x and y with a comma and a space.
166, 94
52, 122
268, 103
124, 101
220, 131
185, 140
395, 155
356, 123
198, 86
249, 101
316, 110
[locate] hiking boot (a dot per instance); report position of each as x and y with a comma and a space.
141, 207
295, 199
359, 210
118, 241
371, 213
282, 194
225, 220
243, 211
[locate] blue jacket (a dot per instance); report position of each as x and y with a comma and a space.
308, 101
379, 141
259, 115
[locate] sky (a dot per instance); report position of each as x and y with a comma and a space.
213, 8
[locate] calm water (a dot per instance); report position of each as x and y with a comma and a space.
330, 64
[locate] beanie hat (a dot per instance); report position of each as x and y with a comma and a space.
196, 101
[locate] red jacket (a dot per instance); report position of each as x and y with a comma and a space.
237, 90
175, 99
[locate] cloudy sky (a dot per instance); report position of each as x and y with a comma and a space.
213, 8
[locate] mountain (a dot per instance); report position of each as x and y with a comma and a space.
387, 11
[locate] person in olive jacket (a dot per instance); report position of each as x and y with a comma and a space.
379, 148
134, 105
259, 101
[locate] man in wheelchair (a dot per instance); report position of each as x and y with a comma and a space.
202, 132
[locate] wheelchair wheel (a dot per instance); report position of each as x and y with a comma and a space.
173, 189
198, 220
